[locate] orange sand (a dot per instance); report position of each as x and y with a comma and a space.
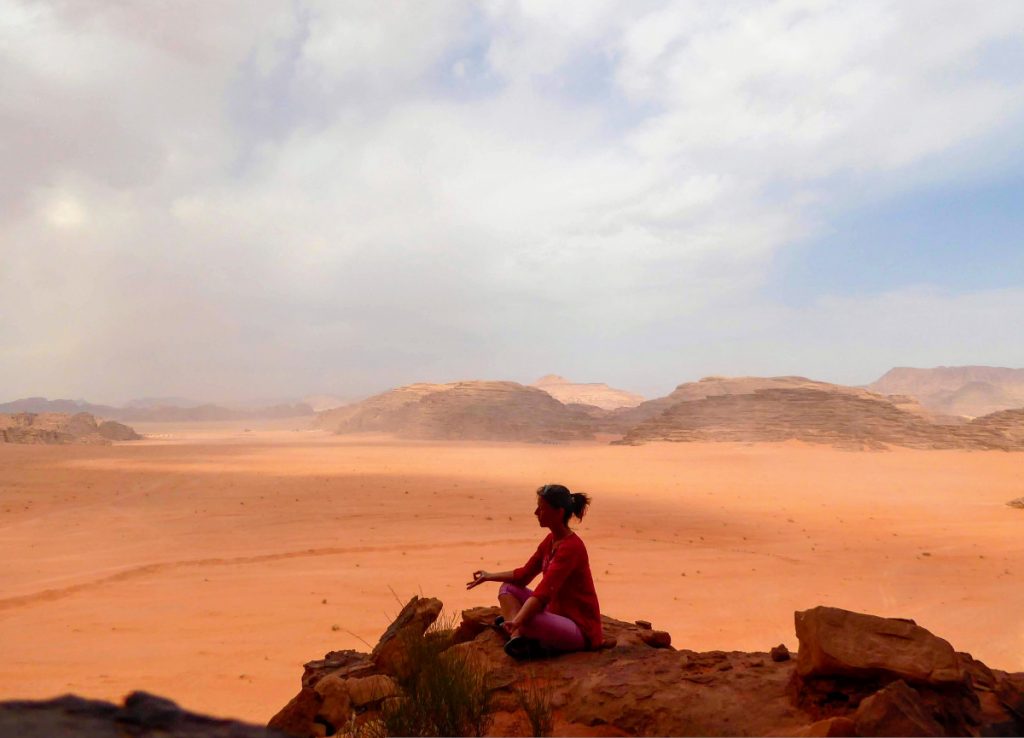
208, 564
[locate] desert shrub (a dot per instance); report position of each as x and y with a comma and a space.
442, 693
535, 700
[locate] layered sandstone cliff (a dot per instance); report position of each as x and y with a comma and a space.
476, 410
816, 415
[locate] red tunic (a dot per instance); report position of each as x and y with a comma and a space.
567, 587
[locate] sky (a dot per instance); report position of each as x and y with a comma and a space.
269, 199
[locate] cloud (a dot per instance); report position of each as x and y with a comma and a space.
253, 198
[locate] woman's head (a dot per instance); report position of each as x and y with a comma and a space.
561, 499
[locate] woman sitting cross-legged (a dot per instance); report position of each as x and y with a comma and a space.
562, 613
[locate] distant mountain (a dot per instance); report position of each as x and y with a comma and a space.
472, 410
155, 402
744, 409
145, 413
971, 391
42, 405
319, 403
596, 394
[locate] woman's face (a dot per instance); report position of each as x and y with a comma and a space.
547, 514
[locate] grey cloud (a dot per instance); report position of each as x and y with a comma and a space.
234, 200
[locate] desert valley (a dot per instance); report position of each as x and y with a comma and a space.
208, 561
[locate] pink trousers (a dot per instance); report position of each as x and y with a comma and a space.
552, 631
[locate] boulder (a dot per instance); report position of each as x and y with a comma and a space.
142, 716
894, 711
656, 638
412, 622
369, 690
335, 702
836, 642
298, 717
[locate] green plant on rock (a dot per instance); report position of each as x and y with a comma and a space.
442, 691
535, 700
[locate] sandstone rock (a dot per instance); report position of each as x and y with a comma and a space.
414, 619
61, 428
474, 622
836, 642
143, 715
815, 414
643, 624
780, 653
834, 726
1017, 502
368, 690
115, 431
894, 711
656, 638
337, 663
298, 717
957, 390
595, 394
633, 689
336, 704
498, 411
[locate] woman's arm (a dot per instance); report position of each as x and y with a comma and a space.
521, 576
479, 577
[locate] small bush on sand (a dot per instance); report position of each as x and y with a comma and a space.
443, 692
535, 700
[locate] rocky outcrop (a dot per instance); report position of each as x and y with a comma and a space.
717, 386
59, 428
1009, 423
957, 390
596, 394
141, 715
488, 411
859, 420
855, 674
836, 642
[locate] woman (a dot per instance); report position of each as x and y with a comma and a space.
562, 613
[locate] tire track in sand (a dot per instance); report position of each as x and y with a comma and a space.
49, 595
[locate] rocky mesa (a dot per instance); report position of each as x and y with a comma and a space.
596, 394
819, 415
854, 674
61, 428
970, 391
730, 409
472, 410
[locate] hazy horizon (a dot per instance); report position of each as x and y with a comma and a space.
250, 200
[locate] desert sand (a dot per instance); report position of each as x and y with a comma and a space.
208, 563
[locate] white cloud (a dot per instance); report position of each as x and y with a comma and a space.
261, 198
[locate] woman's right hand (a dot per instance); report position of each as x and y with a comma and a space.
479, 577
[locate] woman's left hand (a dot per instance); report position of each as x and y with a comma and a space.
511, 627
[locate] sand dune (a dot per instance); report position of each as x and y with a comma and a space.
208, 565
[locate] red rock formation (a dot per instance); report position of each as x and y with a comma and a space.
596, 394
848, 419
490, 411
853, 685
60, 428
957, 390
